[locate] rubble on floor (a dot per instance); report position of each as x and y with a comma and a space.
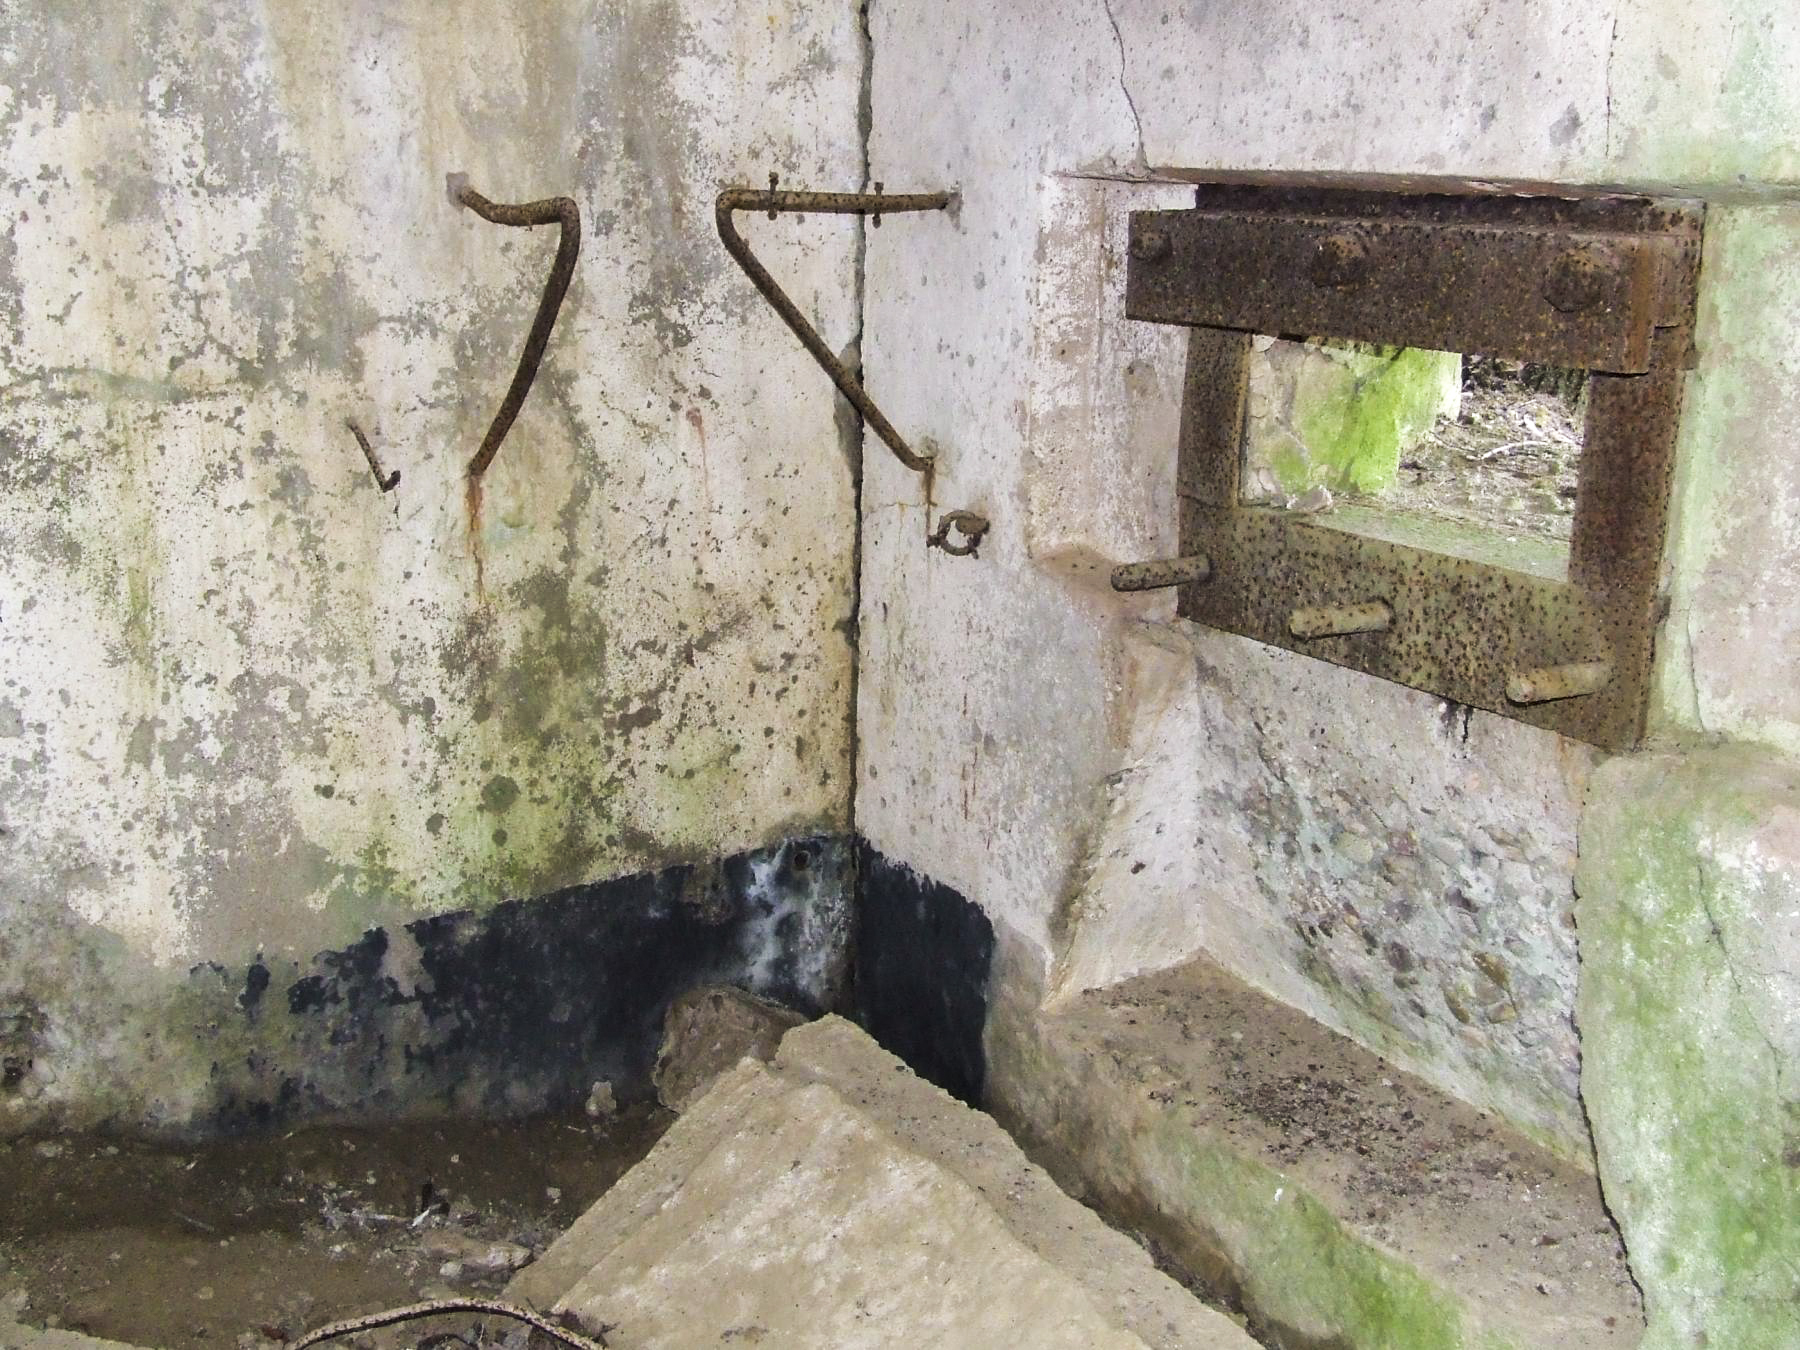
707, 1031
833, 1199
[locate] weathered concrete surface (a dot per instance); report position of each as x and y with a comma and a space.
1397, 869
1690, 1017
1734, 587
1643, 91
1024, 737
834, 1200
707, 1031
252, 705
1336, 1200
1003, 748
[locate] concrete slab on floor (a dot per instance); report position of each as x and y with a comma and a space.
834, 1199
1334, 1199
16, 1335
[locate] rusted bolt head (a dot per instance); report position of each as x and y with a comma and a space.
1577, 279
1341, 259
1150, 244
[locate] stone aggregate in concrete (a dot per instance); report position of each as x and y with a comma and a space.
707, 1031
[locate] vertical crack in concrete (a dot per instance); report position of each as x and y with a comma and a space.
1778, 1063
1142, 162
1612, 47
853, 433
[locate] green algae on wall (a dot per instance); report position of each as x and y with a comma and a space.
1341, 414
1689, 890
1735, 520
254, 707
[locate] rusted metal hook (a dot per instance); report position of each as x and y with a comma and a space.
971, 526
775, 202
387, 482
561, 211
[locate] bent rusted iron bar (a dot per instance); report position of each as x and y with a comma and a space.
550, 211
387, 482
875, 204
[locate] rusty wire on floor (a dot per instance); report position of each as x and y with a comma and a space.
560, 211
873, 205
439, 1306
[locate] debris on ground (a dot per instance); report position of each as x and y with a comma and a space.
249, 1243
707, 1031
1507, 462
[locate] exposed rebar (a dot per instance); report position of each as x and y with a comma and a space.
873, 204
387, 482
561, 211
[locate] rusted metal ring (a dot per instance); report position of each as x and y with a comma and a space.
971, 526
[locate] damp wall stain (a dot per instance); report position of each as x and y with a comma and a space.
513, 1009
924, 959
254, 703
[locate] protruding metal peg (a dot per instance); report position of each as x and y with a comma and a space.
1154, 576
1338, 620
1548, 683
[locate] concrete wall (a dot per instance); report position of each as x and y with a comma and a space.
1120, 791
250, 706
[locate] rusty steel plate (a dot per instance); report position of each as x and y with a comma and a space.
1573, 289
1570, 651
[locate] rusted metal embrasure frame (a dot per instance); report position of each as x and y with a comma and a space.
1605, 283
875, 204
550, 211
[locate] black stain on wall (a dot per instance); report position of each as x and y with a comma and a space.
524, 1006
924, 954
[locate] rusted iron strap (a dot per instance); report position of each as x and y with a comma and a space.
560, 211
1566, 294
874, 204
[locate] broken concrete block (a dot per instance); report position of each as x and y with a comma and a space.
833, 1199
1689, 916
475, 1257
707, 1031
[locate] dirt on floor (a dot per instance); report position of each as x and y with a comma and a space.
248, 1243
1507, 462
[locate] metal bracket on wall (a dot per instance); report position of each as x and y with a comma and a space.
559, 211
1601, 283
874, 204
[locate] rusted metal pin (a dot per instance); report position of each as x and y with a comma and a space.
827, 203
387, 482
1155, 575
1318, 621
1548, 683
561, 211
